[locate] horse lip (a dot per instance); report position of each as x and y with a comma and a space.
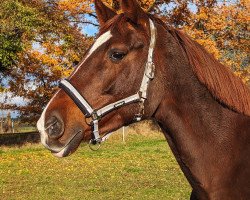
70, 147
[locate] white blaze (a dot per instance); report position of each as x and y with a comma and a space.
100, 41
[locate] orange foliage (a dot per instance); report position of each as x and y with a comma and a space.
223, 30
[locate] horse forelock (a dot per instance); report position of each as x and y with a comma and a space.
226, 87
118, 24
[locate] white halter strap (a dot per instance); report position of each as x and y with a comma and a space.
140, 96
150, 67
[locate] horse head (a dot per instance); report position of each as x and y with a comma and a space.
110, 87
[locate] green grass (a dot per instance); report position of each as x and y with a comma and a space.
25, 129
142, 168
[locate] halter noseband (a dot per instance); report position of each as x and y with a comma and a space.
140, 96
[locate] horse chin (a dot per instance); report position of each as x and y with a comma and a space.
70, 147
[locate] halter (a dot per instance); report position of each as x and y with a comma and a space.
139, 97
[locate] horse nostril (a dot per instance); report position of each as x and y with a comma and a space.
54, 127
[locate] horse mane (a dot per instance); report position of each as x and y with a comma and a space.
226, 87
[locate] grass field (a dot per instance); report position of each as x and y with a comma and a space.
25, 129
141, 168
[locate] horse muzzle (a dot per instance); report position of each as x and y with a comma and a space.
51, 133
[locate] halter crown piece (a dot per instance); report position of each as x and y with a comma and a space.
140, 96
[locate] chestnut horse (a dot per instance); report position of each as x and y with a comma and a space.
138, 68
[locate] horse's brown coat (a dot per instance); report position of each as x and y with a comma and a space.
202, 108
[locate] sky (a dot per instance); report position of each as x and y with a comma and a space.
14, 100
90, 29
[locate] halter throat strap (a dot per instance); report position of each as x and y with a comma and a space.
139, 97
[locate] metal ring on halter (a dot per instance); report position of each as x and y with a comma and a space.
94, 145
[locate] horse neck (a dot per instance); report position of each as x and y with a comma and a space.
198, 128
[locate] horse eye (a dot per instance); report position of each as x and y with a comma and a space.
116, 56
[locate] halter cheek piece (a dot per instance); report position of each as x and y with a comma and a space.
139, 97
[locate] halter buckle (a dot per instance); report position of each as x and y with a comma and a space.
138, 116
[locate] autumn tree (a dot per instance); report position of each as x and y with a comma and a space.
47, 48
224, 31
10, 35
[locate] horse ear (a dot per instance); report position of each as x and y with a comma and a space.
103, 12
133, 10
